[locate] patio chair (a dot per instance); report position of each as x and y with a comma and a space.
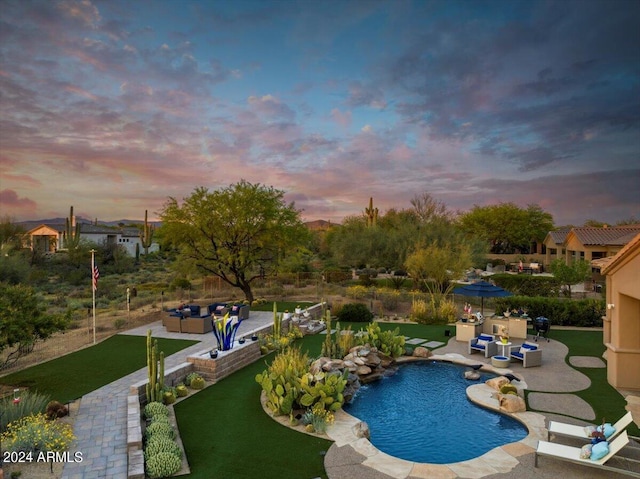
529, 353
572, 454
218, 310
580, 432
484, 343
240, 310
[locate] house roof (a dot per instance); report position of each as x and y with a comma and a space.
558, 236
54, 226
613, 236
632, 245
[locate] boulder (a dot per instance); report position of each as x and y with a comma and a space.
422, 352
363, 370
512, 403
472, 375
361, 430
497, 383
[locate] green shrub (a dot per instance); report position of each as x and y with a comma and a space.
154, 409
156, 445
355, 312
163, 464
559, 311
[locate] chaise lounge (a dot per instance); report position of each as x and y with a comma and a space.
572, 454
581, 432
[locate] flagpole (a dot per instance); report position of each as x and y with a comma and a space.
93, 289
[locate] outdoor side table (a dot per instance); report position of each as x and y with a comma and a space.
504, 347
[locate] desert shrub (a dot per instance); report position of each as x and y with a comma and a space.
560, 312
358, 291
355, 312
180, 283
56, 409
119, 323
389, 298
36, 433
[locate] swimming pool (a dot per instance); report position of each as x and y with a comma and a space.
422, 414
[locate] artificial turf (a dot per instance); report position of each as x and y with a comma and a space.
76, 374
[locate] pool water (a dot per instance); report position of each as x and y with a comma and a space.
422, 414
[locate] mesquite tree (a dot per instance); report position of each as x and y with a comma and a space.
237, 233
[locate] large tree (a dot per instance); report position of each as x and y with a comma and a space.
506, 227
24, 321
575, 272
237, 233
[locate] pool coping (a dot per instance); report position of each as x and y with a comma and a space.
501, 459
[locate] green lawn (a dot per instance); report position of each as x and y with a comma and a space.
76, 374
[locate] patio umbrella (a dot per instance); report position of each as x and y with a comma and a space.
483, 290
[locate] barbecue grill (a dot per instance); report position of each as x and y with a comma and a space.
541, 327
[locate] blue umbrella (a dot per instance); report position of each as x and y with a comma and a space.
482, 289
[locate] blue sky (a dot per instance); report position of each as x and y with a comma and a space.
114, 106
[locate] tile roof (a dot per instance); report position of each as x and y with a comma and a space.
558, 236
613, 236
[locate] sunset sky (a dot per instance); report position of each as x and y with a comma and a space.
114, 106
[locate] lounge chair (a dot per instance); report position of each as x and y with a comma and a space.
572, 454
570, 430
529, 353
485, 343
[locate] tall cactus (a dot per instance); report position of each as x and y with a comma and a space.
146, 235
155, 366
277, 322
371, 213
72, 234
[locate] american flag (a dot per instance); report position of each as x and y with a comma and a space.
96, 275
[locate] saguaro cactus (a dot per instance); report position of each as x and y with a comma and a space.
72, 232
371, 213
146, 235
155, 366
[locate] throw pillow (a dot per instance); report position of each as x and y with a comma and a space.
598, 451
608, 430
589, 430
585, 451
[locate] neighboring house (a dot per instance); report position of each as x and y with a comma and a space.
622, 323
596, 245
50, 238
